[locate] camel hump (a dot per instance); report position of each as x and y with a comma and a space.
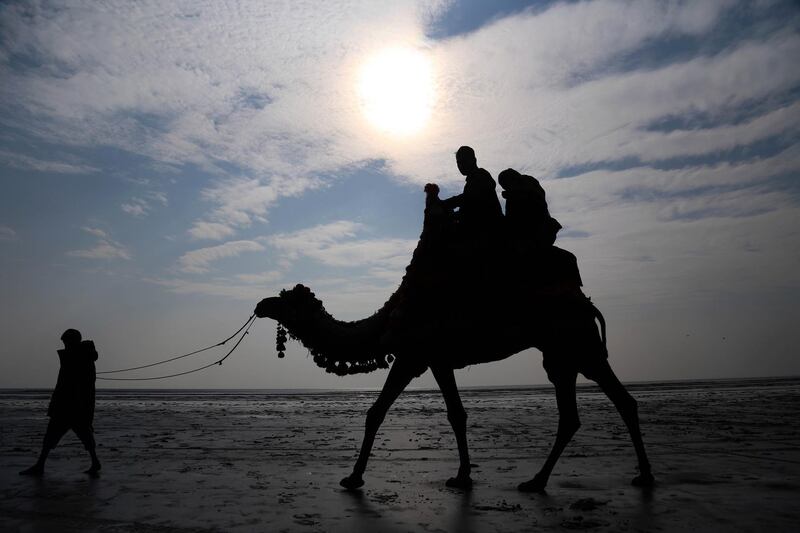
562, 267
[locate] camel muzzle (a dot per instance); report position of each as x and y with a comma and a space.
269, 308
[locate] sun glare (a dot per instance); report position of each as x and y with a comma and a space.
395, 90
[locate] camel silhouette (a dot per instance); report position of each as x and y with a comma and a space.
449, 313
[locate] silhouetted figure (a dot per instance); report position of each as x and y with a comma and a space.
478, 207
527, 216
72, 402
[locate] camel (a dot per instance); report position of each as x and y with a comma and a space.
446, 315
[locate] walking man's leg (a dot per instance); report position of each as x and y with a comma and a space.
55, 430
86, 434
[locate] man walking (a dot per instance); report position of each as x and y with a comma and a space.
72, 402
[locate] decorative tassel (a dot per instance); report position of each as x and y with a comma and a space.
280, 341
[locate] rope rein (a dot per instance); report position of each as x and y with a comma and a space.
246, 327
180, 356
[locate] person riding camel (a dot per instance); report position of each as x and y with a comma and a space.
479, 210
527, 217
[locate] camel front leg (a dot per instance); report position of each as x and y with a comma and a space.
400, 375
568, 424
458, 420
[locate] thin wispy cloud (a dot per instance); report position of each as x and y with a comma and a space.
214, 231
7, 234
218, 289
241, 201
198, 261
105, 248
267, 277
97, 232
314, 238
140, 207
18, 160
336, 244
136, 207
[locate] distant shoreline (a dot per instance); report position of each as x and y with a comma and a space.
674, 383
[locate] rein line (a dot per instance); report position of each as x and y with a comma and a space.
246, 327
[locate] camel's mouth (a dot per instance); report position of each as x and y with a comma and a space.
269, 308
298, 301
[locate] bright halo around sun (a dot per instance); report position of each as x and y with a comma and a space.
396, 90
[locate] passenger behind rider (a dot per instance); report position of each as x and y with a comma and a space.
527, 217
533, 232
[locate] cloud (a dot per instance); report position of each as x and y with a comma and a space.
582, 196
140, 207
102, 250
7, 234
25, 162
573, 104
339, 244
280, 107
96, 232
105, 248
240, 201
282, 115
262, 277
239, 108
197, 261
377, 267
346, 298
210, 230
388, 252
299, 242
335, 244
135, 208
216, 289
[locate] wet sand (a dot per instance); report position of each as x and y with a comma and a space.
726, 455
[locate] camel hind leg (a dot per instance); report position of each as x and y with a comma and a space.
400, 375
628, 409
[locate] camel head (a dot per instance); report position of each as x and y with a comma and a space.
339, 347
289, 304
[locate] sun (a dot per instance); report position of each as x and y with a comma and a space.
396, 91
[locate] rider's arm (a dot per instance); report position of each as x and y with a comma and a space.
454, 201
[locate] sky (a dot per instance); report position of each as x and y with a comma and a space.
166, 165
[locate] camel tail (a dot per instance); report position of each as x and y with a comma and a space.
599, 316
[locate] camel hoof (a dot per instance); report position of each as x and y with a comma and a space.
352, 482
644, 480
34, 471
537, 484
459, 482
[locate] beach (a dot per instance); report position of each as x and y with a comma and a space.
725, 453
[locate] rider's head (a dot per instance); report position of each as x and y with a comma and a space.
509, 179
431, 189
71, 337
465, 159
